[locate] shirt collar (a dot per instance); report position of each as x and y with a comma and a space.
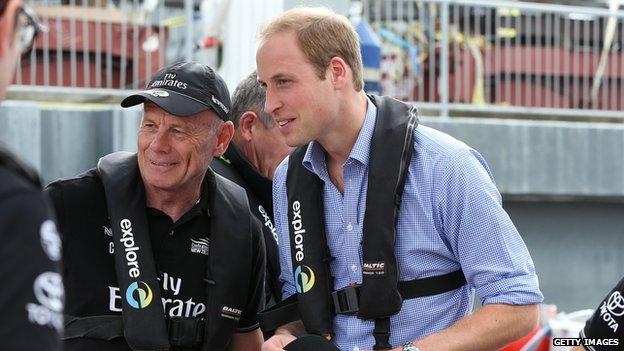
314, 158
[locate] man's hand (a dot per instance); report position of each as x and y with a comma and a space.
249, 341
284, 335
277, 342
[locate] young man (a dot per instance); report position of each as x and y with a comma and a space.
31, 298
158, 230
250, 161
371, 198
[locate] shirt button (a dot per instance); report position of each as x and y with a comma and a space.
349, 227
353, 268
171, 232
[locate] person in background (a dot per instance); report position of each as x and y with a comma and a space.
250, 161
31, 298
604, 330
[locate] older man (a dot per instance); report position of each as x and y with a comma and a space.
31, 298
256, 150
158, 230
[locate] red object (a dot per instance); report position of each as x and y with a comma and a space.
210, 42
94, 42
537, 337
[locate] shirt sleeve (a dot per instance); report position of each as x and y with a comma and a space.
280, 212
255, 303
32, 294
607, 322
491, 252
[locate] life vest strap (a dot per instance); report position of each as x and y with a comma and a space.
183, 331
346, 300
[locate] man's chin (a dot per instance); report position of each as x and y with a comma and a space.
296, 141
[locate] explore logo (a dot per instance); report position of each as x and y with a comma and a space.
144, 294
304, 279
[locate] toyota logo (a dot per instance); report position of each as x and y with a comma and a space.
50, 240
615, 305
49, 290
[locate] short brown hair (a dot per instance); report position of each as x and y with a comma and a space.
321, 35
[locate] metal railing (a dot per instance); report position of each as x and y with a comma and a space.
501, 56
105, 45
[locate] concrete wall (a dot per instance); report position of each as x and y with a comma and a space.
577, 248
62, 140
545, 158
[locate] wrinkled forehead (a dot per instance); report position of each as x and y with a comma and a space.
155, 113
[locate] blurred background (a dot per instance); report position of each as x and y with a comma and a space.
537, 87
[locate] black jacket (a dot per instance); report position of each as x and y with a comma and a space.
605, 329
31, 298
89, 269
235, 167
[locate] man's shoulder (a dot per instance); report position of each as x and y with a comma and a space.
87, 181
15, 175
221, 167
12, 183
437, 143
84, 189
231, 192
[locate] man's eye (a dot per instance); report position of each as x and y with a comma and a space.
283, 82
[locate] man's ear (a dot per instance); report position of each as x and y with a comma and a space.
245, 124
339, 72
224, 136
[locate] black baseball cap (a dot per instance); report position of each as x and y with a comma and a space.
184, 89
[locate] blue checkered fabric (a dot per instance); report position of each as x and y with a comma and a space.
451, 217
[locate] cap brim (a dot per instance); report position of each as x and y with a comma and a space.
175, 103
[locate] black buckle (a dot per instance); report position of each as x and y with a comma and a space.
346, 300
186, 331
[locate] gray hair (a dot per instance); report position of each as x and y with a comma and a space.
249, 96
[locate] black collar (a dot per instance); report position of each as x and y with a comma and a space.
259, 185
201, 207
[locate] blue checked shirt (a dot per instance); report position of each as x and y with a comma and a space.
451, 218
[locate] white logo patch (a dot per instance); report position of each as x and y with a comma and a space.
107, 231
200, 246
616, 304
158, 93
50, 240
231, 313
49, 291
216, 101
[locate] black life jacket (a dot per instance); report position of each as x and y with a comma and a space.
234, 166
381, 294
143, 324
